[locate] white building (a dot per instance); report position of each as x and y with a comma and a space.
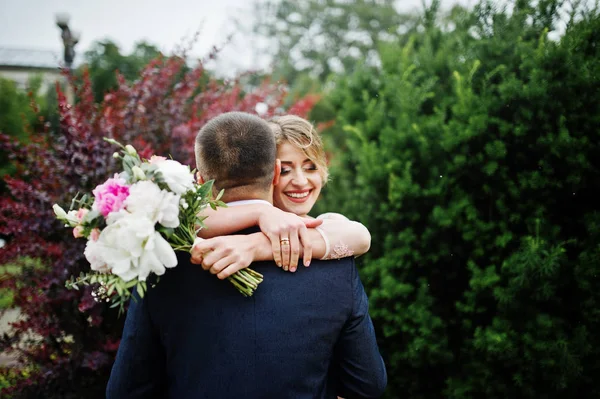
20, 65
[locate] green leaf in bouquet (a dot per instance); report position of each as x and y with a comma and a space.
128, 174
149, 169
140, 289
85, 201
74, 201
119, 288
205, 190
131, 283
111, 289
220, 195
91, 215
166, 231
129, 162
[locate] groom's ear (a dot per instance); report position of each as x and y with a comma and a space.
277, 172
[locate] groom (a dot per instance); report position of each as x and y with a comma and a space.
301, 335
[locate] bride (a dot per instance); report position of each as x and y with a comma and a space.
287, 231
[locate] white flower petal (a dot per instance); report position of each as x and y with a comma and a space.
94, 254
123, 269
164, 251
149, 262
160, 206
177, 176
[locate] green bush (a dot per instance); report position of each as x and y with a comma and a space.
19, 117
9, 376
473, 156
12, 271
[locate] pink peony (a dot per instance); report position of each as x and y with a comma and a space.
110, 196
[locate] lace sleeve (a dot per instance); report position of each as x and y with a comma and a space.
338, 251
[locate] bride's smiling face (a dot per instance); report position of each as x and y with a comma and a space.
300, 182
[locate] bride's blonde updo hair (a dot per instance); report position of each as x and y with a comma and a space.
301, 133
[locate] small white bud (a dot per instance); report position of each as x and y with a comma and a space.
183, 204
138, 173
59, 212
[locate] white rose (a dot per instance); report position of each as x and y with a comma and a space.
93, 254
177, 176
157, 255
158, 205
123, 244
132, 248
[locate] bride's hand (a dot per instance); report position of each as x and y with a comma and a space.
287, 232
223, 255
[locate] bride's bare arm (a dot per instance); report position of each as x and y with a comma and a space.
228, 220
226, 255
276, 224
343, 237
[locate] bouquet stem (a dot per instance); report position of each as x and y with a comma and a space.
246, 281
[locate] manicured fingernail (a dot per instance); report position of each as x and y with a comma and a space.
278, 264
307, 263
292, 269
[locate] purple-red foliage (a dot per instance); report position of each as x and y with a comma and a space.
72, 339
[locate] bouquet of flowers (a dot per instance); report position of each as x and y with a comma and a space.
135, 221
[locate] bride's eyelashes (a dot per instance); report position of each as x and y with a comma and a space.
309, 168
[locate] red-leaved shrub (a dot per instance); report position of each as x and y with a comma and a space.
65, 340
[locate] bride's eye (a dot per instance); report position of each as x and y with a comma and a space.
285, 171
311, 167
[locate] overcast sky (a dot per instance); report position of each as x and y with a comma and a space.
29, 24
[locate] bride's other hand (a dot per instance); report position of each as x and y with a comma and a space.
223, 255
288, 234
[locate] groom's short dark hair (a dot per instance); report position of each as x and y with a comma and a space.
236, 149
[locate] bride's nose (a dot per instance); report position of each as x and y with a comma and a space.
300, 179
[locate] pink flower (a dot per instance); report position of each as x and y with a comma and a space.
155, 159
81, 213
110, 196
95, 234
78, 232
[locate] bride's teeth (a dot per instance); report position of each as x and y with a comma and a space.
298, 195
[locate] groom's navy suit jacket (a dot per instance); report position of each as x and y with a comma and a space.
306, 334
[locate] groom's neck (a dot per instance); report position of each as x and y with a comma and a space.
231, 195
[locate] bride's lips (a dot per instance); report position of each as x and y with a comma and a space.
300, 196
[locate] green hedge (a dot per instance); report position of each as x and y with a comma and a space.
473, 157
